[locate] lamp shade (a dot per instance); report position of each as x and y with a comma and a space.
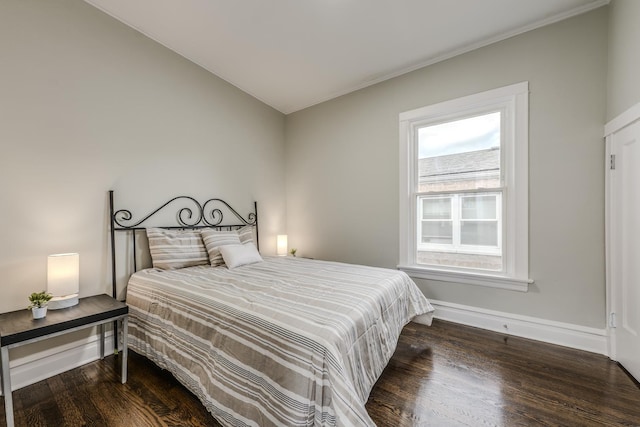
281, 245
63, 279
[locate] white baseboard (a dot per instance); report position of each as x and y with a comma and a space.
41, 365
564, 334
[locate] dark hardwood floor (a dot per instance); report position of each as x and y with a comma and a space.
443, 375
453, 375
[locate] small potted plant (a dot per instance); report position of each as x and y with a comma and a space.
38, 304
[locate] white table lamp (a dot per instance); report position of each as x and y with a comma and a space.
281, 245
63, 271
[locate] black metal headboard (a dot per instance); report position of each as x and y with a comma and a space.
190, 214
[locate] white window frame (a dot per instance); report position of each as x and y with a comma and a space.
513, 102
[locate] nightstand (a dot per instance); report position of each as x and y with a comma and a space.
19, 328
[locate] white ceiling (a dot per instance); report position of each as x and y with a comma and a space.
292, 54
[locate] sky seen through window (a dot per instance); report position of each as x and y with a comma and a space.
459, 136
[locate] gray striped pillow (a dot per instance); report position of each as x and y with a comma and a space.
247, 234
213, 239
171, 249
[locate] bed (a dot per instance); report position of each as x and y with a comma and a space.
278, 341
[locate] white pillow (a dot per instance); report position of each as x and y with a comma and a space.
237, 255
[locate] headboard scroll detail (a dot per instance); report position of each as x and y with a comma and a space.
206, 215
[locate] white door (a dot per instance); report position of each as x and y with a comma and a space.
624, 193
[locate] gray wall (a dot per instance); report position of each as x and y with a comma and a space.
87, 105
623, 89
342, 167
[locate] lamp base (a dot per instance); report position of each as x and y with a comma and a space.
58, 303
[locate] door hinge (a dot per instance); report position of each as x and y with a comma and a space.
612, 165
612, 320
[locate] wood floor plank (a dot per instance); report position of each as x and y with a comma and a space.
443, 375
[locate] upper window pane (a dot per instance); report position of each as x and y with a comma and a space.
460, 154
479, 207
436, 208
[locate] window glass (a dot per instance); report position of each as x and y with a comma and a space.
437, 224
460, 160
460, 155
479, 233
436, 208
479, 207
440, 232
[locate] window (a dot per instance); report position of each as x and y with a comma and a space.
464, 203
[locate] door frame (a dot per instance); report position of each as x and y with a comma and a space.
623, 120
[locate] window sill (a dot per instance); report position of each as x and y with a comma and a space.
468, 278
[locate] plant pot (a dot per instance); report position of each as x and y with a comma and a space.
39, 312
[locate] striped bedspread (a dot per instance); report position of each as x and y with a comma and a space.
284, 342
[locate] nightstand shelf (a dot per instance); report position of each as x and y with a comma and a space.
19, 328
